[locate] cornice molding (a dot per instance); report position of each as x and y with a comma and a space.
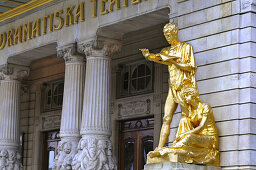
22, 9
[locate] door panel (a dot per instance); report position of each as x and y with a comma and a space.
50, 144
136, 140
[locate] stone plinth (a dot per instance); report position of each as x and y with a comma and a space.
178, 166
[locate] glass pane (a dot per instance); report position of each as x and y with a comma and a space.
141, 83
55, 100
60, 88
55, 92
134, 84
48, 100
60, 100
125, 85
51, 160
141, 70
135, 73
126, 75
128, 155
147, 147
147, 81
49, 93
148, 72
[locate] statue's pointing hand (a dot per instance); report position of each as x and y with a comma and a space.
145, 52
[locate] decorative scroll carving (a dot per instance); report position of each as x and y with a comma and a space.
10, 160
100, 47
95, 154
13, 72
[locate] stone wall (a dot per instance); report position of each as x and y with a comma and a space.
222, 34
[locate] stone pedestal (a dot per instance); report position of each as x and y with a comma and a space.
72, 107
10, 84
178, 166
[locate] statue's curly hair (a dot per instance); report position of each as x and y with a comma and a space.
191, 91
171, 27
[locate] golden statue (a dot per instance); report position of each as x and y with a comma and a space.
196, 139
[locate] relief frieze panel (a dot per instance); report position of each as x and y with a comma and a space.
134, 106
51, 120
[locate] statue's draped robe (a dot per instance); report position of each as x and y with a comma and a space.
177, 76
200, 147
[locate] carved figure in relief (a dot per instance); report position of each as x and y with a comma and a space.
68, 158
10, 160
94, 154
76, 163
18, 164
63, 159
3, 159
196, 116
111, 160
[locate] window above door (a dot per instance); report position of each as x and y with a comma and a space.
52, 95
135, 78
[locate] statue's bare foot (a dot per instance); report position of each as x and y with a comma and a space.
154, 153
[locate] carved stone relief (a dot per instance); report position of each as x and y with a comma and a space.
51, 120
94, 154
248, 5
134, 106
10, 159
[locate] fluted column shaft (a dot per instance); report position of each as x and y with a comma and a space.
95, 147
10, 86
73, 98
9, 113
72, 107
96, 117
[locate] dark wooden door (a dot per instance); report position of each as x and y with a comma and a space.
50, 144
136, 140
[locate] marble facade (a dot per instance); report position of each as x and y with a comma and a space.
90, 53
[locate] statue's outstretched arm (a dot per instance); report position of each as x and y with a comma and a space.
154, 57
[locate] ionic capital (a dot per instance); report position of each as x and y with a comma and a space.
13, 72
69, 54
100, 47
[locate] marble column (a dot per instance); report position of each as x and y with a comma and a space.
72, 107
95, 146
10, 87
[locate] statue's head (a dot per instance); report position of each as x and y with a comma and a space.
170, 32
67, 148
191, 95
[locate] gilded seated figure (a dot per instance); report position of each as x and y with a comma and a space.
196, 140
197, 134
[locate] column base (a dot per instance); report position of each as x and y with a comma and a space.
66, 151
10, 158
94, 152
178, 166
